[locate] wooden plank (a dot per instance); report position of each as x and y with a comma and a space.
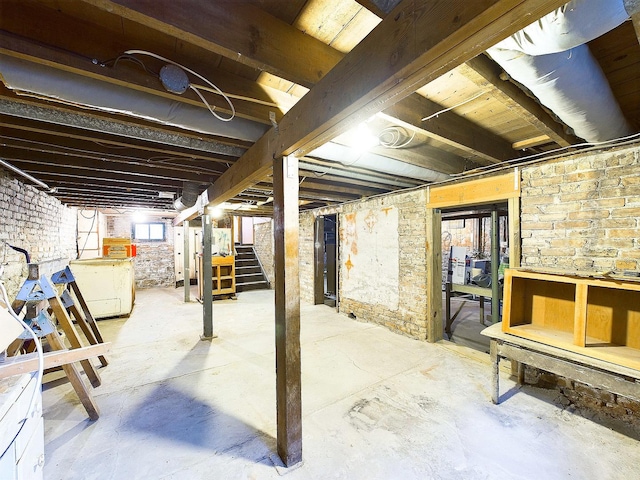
287, 310
475, 192
29, 362
86, 329
434, 278
580, 315
486, 74
579, 372
451, 129
494, 331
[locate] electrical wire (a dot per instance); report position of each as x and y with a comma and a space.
396, 136
589, 146
193, 87
86, 240
451, 108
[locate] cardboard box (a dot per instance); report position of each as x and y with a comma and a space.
118, 248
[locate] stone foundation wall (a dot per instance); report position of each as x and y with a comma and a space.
399, 305
587, 399
154, 263
40, 224
583, 212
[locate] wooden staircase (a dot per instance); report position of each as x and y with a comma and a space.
249, 274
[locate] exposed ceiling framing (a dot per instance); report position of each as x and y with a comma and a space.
304, 71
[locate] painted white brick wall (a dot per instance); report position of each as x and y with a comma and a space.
37, 222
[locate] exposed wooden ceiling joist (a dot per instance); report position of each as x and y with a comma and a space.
377, 74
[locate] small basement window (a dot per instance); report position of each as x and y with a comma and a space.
152, 232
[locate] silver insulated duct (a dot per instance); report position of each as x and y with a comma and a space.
551, 59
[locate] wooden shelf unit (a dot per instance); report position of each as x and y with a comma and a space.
223, 275
597, 317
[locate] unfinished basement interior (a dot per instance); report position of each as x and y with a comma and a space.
319, 239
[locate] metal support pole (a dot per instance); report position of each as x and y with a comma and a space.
495, 261
207, 279
186, 258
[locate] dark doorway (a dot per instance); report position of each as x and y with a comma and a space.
326, 260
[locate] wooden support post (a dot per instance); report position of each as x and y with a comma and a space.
495, 371
514, 232
495, 261
434, 275
318, 270
75, 379
186, 254
287, 298
62, 316
207, 279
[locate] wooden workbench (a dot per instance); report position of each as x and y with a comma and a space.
592, 371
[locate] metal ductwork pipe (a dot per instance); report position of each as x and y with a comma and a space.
190, 192
23, 76
551, 59
351, 157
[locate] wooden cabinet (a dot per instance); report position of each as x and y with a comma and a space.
598, 317
223, 275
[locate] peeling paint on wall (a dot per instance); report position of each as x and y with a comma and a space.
371, 277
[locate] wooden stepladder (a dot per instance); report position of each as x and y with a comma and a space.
36, 292
83, 318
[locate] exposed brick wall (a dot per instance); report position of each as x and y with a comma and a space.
410, 318
154, 263
583, 212
587, 399
40, 224
263, 245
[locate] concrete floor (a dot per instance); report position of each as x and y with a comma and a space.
376, 405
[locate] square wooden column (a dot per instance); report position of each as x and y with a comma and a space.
288, 385
207, 280
186, 254
434, 275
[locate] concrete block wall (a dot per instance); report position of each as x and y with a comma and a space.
583, 212
154, 263
410, 318
37, 222
263, 245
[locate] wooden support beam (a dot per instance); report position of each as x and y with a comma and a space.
287, 298
380, 73
485, 73
451, 129
434, 277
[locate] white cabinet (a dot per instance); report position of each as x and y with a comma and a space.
22, 441
107, 285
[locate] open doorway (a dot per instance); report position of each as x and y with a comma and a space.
326, 260
475, 252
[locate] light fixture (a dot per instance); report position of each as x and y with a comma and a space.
363, 138
138, 216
